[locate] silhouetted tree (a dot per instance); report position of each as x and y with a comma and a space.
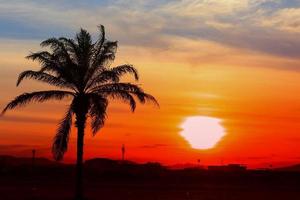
81, 69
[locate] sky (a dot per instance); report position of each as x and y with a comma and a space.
234, 60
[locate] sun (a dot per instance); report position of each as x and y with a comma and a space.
202, 132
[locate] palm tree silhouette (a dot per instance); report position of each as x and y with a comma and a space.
81, 69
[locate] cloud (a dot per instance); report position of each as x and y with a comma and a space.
259, 157
12, 146
23, 150
287, 19
263, 26
235, 25
152, 146
196, 8
28, 119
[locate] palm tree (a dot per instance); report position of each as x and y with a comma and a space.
81, 69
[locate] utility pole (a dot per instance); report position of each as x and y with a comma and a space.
33, 157
123, 152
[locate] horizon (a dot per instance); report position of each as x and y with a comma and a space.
170, 166
232, 64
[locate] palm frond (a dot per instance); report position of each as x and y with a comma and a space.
123, 96
104, 77
71, 47
113, 75
127, 88
58, 49
144, 97
40, 96
126, 68
108, 54
97, 47
45, 58
44, 77
101, 37
42, 56
48, 61
61, 139
84, 41
103, 58
97, 111
57, 65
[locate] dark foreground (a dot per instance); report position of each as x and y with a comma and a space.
150, 182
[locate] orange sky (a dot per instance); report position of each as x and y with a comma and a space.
254, 92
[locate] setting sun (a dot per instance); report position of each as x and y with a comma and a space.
202, 132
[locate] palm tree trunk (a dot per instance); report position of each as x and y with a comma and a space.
80, 123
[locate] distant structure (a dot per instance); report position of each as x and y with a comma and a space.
270, 166
33, 156
123, 152
198, 161
228, 168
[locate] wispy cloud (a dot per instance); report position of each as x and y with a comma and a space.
267, 26
23, 150
28, 119
287, 19
152, 146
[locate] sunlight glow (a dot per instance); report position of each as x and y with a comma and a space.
202, 132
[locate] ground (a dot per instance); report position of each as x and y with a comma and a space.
61, 188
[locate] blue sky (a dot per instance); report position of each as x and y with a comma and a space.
268, 26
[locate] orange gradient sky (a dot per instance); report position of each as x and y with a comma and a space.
202, 61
